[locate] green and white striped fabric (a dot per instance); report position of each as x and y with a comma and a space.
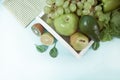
24, 10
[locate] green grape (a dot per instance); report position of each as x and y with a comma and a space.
50, 2
105, 18
79, 5
86, 12
47, 10
87, 5
101, 18
55, 14
66, 4
59, 2
49, 21
79, 12
99, 13
92, 2
98, 8
51, 15
67, 10
60, 10
83, 1
73, 7
73, 1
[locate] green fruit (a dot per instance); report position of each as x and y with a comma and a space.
37, 29
78, 41
66, 24
47, 39
89, 26
109, 5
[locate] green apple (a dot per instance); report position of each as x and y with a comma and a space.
109, 5
78, 41
66, 24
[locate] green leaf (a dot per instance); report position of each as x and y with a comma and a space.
53, 52
41, 48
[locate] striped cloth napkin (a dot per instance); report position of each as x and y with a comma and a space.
24, 10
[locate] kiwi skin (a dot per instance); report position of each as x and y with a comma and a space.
37, 29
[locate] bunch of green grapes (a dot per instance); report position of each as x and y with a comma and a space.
55, 8
101, 16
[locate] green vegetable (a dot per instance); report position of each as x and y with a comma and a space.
113, 28
41, 48
109, 5
89, 26
53, 52
115, 23
105, 34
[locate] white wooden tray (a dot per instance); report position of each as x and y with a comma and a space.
60, 39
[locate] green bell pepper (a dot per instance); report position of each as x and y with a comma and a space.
109, 5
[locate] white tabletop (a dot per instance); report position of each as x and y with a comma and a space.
19, 60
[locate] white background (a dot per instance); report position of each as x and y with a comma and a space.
19, 60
